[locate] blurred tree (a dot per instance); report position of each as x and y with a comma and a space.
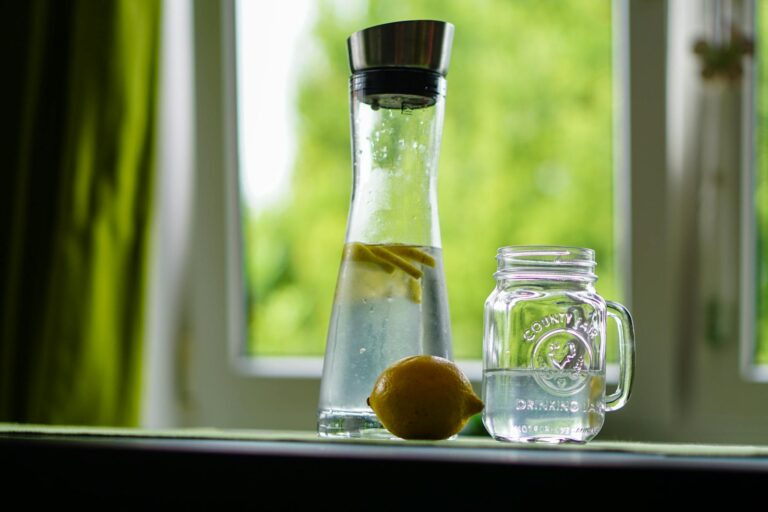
526, 158
761, 192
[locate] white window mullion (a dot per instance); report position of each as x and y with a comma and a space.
651, 407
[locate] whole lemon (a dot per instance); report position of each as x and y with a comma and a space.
424, 397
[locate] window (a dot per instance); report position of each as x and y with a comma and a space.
717, 175
759, 208
683, 391
526, 156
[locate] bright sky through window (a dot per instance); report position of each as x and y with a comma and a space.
268, 69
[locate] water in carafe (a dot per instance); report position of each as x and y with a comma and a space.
390, 299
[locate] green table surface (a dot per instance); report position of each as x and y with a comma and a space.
310, 439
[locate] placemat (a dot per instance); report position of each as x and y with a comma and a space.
667, 449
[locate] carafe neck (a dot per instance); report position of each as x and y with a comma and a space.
396, 145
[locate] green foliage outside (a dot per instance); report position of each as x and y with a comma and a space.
526, 158
761, 192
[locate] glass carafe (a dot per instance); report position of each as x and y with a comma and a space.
390, 299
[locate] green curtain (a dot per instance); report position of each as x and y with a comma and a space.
78, 143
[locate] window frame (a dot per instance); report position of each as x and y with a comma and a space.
217, 395
209, 375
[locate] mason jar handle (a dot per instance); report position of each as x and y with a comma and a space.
618, 398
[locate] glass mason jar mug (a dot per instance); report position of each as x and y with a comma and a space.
545, 347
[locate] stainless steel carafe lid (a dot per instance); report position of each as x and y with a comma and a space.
417, 44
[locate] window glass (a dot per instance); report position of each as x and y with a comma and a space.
761, 183
526, 155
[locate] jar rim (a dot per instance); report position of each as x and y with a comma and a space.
554, 255
546, 260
